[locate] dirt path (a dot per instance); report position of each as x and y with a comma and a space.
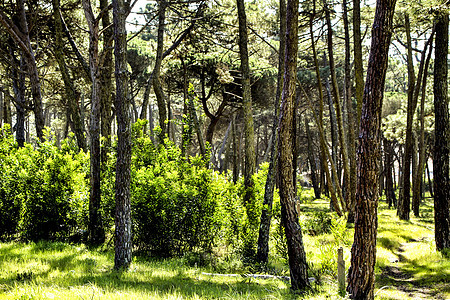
395, 277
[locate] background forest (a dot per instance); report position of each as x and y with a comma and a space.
213, 131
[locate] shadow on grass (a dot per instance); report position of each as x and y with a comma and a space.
76, 271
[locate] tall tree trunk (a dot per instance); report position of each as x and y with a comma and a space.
351, 141
96, 234
324, 152
361, 275
404, 201
442, 135
123, 245
106, 70
72, 95
297, 257
250, 155
262, 254
417, 191
338, 106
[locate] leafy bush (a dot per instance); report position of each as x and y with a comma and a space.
10, 186
43, 194
318, 223
172, 205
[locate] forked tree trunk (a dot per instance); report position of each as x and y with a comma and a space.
297, 257
361, 277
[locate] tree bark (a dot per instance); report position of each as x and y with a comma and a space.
123, 245
442, 135
358, 60
297, 257
361, 275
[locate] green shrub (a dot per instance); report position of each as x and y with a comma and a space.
43, 194
317, 223
55, 204
10, 186
172, 205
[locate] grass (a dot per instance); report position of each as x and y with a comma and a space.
408, 267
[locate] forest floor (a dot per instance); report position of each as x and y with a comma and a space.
408, 267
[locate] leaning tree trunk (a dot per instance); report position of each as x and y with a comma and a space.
262, 254
442, 135
297, 257
123, 246
361, 277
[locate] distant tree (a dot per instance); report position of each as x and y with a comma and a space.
70, 91
442, 134
18, 30
361, 275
